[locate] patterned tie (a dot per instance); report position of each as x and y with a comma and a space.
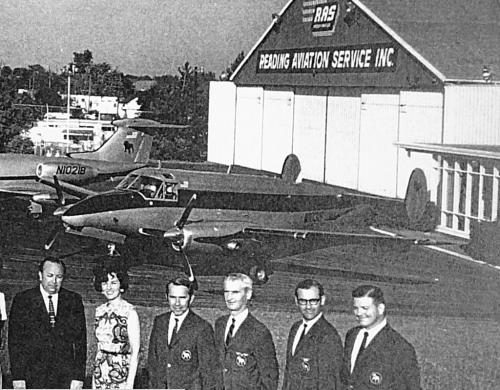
174, 331
230, 333
52, 313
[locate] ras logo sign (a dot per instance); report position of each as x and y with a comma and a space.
322, 14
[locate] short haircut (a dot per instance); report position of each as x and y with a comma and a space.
244, 279
309, 283
54, 260
110, 266
369, 291
181, 281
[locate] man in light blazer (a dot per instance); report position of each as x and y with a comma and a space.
314, 353
181, 347
244, 345
375, 355
47, 335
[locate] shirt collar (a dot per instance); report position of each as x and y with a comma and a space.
181, 318
239, 318
45, 294
375, 330
310, 323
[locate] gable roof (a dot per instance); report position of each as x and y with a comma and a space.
458, 37
452, 38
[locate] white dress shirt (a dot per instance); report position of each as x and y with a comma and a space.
171, 323
55, 299
309, 324
359, 340
238, 320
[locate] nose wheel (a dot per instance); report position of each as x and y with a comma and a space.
259, 274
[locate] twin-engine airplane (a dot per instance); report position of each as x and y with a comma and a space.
127, 149
241, 221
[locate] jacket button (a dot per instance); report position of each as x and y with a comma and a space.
169, 365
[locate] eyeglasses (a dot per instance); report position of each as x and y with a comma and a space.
312, 302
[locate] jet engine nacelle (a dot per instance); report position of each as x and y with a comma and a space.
68, 172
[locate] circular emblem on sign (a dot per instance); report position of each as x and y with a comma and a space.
241, 360
375, 378
186, 355
306, 367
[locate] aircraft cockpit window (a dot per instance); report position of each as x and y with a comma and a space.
166, 191
128, 182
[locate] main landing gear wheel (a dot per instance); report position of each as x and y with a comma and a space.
259, 274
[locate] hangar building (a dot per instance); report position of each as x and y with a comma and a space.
369, 94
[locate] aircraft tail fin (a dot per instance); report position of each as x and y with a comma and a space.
131, 142
291, 169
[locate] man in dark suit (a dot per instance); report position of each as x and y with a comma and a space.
376, 356
47, 333
244, 345
314, 350
181, 347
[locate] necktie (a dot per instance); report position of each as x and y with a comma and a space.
229, 335
52, 313
174, 331
362, 347
300, 338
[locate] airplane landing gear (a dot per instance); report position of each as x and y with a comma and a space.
35, 210
259, 274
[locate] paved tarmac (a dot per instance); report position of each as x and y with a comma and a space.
416, 281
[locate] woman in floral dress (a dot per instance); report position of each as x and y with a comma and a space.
117, 330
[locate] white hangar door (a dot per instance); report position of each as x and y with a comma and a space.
221, 115
309, 132
277, 129
248, 127
342, 141
420, 120
378, 156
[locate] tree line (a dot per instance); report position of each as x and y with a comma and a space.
174, 99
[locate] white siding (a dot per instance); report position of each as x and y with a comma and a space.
309, 133
221, 118
342, 141
377, 152
248, 140
277, 129
472, 114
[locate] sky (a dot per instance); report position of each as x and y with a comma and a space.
139, 37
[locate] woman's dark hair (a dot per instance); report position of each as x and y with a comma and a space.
110, 266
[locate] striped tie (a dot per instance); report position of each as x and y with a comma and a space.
52, 313
229, 335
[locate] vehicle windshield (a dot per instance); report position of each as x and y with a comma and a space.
150, 187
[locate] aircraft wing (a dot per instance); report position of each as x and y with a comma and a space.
10, 193
341, 238
71, 189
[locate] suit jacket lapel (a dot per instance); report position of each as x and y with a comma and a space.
313, 331
349, 347
291, 337
242, 328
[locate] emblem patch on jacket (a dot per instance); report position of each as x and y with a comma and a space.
306, 367
186, 355
375, 378
241, 359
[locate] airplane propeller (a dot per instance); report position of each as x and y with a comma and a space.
60, 196
177, 238
179, 224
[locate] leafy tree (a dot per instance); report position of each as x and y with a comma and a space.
181, 99
16, 112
